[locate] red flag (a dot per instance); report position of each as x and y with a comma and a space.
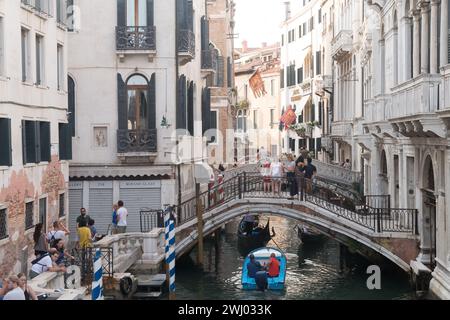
257, 84
289, 117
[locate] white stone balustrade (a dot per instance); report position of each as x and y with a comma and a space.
132, 248
341, 129
52, 284
414, 97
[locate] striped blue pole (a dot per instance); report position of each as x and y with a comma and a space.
170, 248
97, 284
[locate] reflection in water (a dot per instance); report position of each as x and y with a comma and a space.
313, 272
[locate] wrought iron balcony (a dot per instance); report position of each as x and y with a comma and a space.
209, 60
186, 45
136, 38
137, 141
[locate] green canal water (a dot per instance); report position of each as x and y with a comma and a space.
313, 271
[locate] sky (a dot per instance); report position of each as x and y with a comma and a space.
258, 21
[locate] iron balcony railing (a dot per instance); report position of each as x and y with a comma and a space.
136, 38
186, 42
209, 59
137, 141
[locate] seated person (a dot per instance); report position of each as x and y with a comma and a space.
253, 266
62, 253
274, 266
45, 263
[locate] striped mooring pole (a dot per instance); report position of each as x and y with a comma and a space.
97, 284
170, 250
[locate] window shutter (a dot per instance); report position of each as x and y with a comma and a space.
313, 112
122, 102
220, 72
44, 128
71, 104
190, 117
65, 142
181, 114
5, 142
205, 33
121, 12
282, 79
320, 112
206, 110
37, 141
24, 142
318, 66
190, 15
150, 13
151, 105
181, 14
319, 143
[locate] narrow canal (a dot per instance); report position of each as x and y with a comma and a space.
313, 271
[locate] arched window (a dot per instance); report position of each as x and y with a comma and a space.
138, 113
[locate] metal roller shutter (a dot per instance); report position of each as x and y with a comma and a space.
100, 208
75, 203
135, 200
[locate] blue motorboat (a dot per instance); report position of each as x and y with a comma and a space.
261, 281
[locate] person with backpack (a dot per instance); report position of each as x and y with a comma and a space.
58, 233
45, 263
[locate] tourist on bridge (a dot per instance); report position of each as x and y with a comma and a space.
122, 214
276, 174
304, 153
84, 235
83, 217
114, 219
253, 267
290, 173
62, 253
309, 171
266, 175
45, 263
40, 241
59, 232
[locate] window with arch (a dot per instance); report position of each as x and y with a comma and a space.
137, 107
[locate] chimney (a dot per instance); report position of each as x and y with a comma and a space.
264, 44
244, 46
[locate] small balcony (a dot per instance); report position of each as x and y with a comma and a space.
322, 83
341, 130
137, 145
136, 40
209, 61
341, 44
186, 46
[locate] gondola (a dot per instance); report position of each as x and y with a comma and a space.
257, 237
261, 281
307, 234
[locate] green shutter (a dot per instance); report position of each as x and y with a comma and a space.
150, 13
121, 13
122, 103
5, 142
45, 147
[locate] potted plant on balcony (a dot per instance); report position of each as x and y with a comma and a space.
313, 124
299, 129
242, 105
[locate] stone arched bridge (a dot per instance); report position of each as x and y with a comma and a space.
391, 232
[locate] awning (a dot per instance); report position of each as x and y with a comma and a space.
83, 172
203, 172
301, 105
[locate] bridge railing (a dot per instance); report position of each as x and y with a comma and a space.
373, 212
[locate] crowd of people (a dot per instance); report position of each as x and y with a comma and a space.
275, 170
51, 254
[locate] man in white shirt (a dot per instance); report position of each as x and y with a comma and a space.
122, 214
16, 292
276, 172
58, 233
44, 264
